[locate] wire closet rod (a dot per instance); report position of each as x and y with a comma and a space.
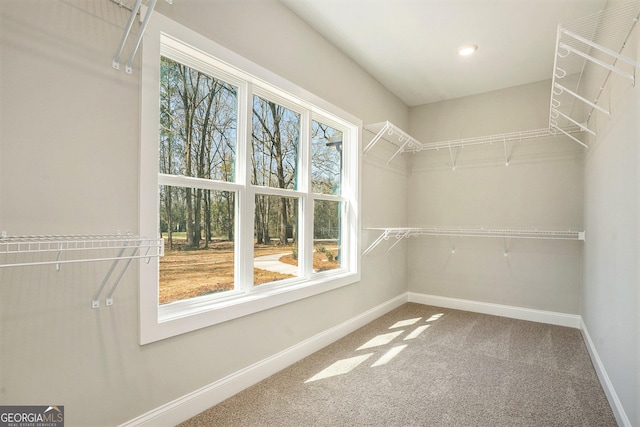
408, 144
99, 245
490, 139
400, 233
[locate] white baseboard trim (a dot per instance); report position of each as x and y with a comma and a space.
605, 381
199, 400
191, 404
541, 316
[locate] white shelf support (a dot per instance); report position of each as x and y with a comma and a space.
127, 31
399, 150
504, 243
109, 299
603, 49
401, 233
557, 128
95, 302
399, 237
125, 35
555, 114
453, 160
506, 155
393, 134
383, 236
561, 89
376, 138
129, 65
65, 249
58, 257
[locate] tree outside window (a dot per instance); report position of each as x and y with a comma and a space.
199, 189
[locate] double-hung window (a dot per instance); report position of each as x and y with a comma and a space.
253, 189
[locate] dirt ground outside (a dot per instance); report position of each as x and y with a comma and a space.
187, 274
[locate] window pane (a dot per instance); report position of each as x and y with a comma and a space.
198, 122
198, 230
276, 136
275, 239
327, 222
326, 159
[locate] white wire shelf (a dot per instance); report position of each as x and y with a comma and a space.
21, 251
408, 144
400, 233
588, 51
393, 134
488, 139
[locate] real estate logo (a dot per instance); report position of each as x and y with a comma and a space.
32, 416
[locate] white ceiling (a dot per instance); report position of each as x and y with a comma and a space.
410, 46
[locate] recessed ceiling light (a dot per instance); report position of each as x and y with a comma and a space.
467, 49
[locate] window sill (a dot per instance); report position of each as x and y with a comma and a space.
185, 316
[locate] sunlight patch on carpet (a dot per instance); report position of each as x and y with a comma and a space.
402, 323
340, 367
381, 339
389, 355
416, 332
435, 317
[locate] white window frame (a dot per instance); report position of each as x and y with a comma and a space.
160, 322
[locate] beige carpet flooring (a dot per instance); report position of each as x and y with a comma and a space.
427, 366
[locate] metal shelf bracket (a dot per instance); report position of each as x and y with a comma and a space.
393, 134
135, 10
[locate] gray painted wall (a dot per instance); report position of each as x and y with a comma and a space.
68, 164
70, 141
611, 297
540, 189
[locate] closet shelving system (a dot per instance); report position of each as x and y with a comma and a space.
405, 143
588, 52
19, 251
400, 233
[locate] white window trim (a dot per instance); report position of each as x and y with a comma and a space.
160, 322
